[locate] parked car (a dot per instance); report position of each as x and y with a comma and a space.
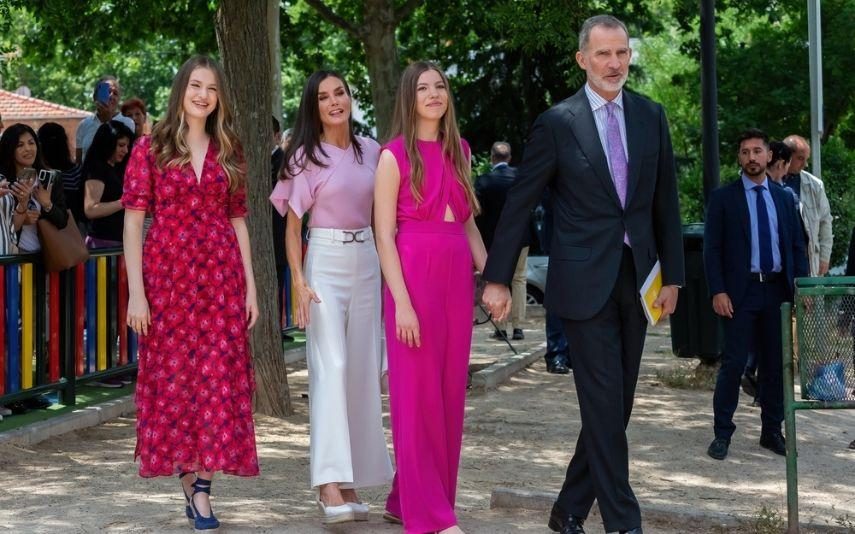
535, 279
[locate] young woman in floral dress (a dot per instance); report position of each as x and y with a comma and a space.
192, 292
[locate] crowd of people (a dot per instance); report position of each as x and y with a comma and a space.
40, 178
393, 243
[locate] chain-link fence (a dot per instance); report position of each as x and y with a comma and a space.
818, 333
825, 345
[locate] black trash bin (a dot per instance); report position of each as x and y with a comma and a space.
695, 328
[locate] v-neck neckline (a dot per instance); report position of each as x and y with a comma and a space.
198, 177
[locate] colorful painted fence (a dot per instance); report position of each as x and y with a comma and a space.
59, 330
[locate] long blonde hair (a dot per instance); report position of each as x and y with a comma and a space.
404, 124
168, 137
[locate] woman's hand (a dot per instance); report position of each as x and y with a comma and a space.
407, 326
43, 195
305, 296
4, 187
139, 317
32, 217
251, 309
21, 191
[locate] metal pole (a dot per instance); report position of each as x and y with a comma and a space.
790, 420
816, 104
709, 98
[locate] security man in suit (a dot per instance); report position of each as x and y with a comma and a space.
753, 251
606, 155
491, 189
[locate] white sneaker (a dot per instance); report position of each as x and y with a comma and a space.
335, 514
5, 411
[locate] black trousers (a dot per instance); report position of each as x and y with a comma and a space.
756, 325
606, 359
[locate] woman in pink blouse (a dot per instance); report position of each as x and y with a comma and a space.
192, 292
428, 243
329, 173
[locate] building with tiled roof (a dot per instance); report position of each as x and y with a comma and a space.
35, 112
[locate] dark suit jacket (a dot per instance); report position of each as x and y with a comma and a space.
727, 241
564, 152
277, 158
492, 190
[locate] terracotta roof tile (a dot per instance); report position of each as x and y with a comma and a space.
17, 107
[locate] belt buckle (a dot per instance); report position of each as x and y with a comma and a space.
353, 236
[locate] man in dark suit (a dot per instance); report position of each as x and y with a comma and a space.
752, 253
606, 154
492, 190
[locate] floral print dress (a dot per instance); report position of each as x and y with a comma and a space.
195, 378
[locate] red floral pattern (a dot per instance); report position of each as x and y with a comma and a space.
195, 380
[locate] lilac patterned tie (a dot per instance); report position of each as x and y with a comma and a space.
617, 157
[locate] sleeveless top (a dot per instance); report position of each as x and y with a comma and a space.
440, 187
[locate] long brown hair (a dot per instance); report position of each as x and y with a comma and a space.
306, 134
168, 142
404, 124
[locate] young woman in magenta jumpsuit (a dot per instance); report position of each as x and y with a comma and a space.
428, 242
191, 292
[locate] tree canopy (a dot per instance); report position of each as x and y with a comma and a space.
508, 60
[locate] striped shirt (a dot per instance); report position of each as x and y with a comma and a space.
7, 231
598, 107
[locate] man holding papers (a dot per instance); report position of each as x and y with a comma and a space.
753, 250
606, 154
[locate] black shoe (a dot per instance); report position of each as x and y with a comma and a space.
557, 365
749, 385
518, 334
559, 521
501, 335
852, 445
718, 448
774, 441
636, 530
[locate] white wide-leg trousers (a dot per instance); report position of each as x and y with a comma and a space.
343, 353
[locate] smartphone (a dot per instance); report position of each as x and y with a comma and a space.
27, 175
102, 92
46, 178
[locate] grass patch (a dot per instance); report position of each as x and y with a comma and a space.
765, 521
689, 375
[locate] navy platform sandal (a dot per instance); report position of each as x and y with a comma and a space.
200, 523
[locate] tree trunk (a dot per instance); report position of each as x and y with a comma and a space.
275, 58
381, 55
244, 47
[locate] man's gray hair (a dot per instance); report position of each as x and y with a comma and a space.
606, 21
501, 151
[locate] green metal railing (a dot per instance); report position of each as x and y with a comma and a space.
824, 347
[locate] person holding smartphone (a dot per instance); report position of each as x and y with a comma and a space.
106, 95
20, 161
103, 184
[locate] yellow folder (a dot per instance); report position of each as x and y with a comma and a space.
650, 292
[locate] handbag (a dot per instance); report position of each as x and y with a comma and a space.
61, 249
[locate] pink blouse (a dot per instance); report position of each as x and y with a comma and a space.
339, 195
440, 187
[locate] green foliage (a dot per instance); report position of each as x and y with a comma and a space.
838, 163
61, 68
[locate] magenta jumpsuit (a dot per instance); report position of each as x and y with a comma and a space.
427, 385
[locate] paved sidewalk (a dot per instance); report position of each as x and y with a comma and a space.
518, 436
